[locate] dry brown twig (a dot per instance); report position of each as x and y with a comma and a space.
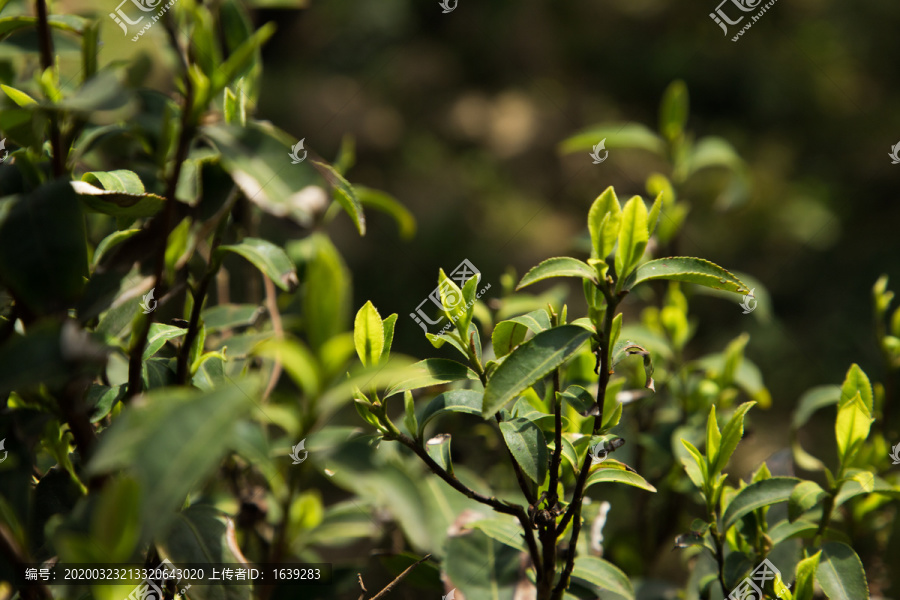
391, 585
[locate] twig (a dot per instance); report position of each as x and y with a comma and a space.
135, 364
47, 62
574, 511
499, 506
272, 306
218, 221
397, 579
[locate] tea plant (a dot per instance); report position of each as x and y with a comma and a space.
529, 387
144, 414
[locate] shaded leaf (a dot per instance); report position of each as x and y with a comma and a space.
526, 443
270, 259
604, 575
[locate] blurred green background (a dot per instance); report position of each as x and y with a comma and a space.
459, 115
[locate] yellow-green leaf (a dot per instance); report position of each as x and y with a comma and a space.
368, 335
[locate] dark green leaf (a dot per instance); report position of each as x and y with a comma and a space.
43, 247
604, 575
510, 333
689, 270
431, 371
463, 401
805, 496
530, 362
841, 574
756, 495
203, 534
270, 259
170, 440
230, 316
527, 445
389, 205
562, 266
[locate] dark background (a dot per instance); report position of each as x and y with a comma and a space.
459, 116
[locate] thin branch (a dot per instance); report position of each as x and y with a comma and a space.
499, 506
219, 220
46, 43
135, 364
272, 306
397, 579
574, 511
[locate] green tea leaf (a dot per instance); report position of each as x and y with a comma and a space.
438, 448
673, 110
409, 418
344, 194
731, 436
159, 334
188, 433
510, 333
812, 400
713, 435
431, 371
529, 363
203, 534
689, 270
608, 473
804, 588
18, 96
756, 495
383, 202
527, 445
857, 382
368, 335
633, 237
604, 575
805, 496
851, 427
270, 259
841, 574
43, 247
604, 220
461, 401
562, 266
617, 135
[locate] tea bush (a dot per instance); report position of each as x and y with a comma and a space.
179, 357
